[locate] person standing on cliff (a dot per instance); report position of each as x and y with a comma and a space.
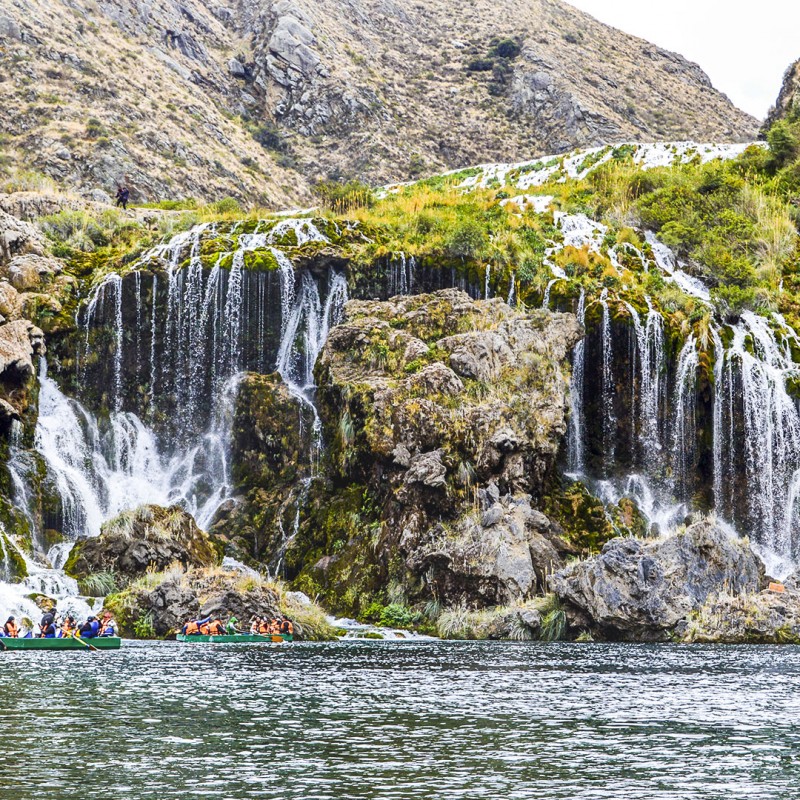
123, 194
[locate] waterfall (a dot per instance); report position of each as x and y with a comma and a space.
576, 464
487, 288
608, 388
512, 289
307, 323
651, 363
401, 275
206, 323
771, 430
546, 299
719, 366
684, 433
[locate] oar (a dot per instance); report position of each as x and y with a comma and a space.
85, 644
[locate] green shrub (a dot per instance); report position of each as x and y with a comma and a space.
228, 205
506, 48
94, 128
480, 65
784, 143
468, 240
143, 628
396, 615
269, 137
98, 584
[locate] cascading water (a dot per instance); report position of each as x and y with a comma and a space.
756, 380
608, 387
684, 433
402, 271
546, 298
576, 460
206, 323
651, 364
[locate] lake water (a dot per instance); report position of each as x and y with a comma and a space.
455, 720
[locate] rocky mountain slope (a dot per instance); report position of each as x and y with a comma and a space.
257, 99
788, 96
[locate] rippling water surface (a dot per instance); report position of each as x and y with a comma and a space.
401, 720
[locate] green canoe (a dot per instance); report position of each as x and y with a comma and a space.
235, 638
67, 643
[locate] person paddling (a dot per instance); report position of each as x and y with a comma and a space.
68, 626
231, 628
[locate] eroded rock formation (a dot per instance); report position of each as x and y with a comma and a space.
638, 589
427, 401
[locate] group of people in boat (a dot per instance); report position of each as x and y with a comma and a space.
262, 626
55, 626
271, 627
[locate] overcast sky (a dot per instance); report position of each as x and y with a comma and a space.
744, 47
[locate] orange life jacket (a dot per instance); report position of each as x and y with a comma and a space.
204, 630
263, 628
290, 627
192, 629
11, 629
216, 628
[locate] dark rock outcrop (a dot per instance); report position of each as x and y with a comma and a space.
146, 538
647, 590
270, 450
497, 556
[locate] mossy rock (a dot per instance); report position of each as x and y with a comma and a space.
142, 539
11, 561
581, 515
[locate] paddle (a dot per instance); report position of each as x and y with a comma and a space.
85, 644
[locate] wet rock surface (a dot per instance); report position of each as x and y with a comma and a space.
649, 590
498, 556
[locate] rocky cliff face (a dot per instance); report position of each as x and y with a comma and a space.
443, 418
787, 98
201, 99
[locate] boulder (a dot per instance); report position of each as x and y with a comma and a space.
20, 342
236, 68
498, 557
647, 590
32, 273
18, 238
182, 595
767, 617
10, 300
160, 603
141, 540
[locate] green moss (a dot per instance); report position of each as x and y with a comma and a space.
581, 515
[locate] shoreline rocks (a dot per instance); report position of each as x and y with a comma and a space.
641, 590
